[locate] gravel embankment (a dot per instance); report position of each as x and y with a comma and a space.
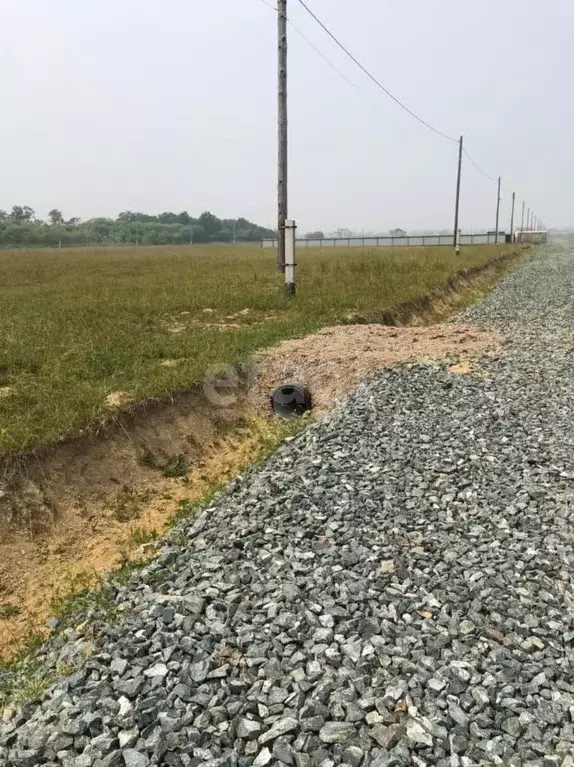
394, 587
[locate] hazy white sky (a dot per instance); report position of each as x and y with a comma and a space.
171, 105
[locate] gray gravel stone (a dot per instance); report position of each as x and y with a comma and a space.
248, 729
386, 736
393, 587
281, 727
353, 755
337, 732
263, 758
417, 734
133, 758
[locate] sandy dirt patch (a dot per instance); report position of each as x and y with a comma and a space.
333, 361
117, 399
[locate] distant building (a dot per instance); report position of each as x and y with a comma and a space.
344, 233
398, 233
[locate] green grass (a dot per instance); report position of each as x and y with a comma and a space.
78, 325
9, 611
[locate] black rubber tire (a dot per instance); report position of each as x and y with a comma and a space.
291, 401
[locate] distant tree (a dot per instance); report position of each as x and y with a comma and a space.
21, 215
224, 235
315, 236
20, 228
167, 218
56, 217
210, 223
184, 218
198, 233
16, 214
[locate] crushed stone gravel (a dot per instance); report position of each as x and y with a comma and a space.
392, 588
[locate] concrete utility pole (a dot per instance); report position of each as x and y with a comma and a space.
457, 201
497, 212
512, 217
522, 220
282, 199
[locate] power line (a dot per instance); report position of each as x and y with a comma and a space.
374, 79
269, 5
334, 67
478, 168
314, 47
327, 60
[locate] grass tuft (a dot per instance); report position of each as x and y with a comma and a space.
175, 466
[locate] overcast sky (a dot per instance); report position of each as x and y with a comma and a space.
148, 105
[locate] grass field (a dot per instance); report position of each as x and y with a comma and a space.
79, 325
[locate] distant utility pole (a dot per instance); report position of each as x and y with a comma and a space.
497, 212
512, 217
528, 220
457, 201
522, 220
282, 199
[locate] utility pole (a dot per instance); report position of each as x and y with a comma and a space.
282, 199
457, 202
512, 217
522, 220
528, 220
497, 211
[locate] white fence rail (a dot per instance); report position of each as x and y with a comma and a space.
417, 240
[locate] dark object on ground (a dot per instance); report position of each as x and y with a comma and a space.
291, 400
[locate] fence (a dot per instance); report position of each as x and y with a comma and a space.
534, 238
417, 240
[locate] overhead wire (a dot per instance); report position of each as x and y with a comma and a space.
374, 79
328, 61
477, 166
377, 82
391, 95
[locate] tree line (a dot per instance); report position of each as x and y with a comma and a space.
20, 227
